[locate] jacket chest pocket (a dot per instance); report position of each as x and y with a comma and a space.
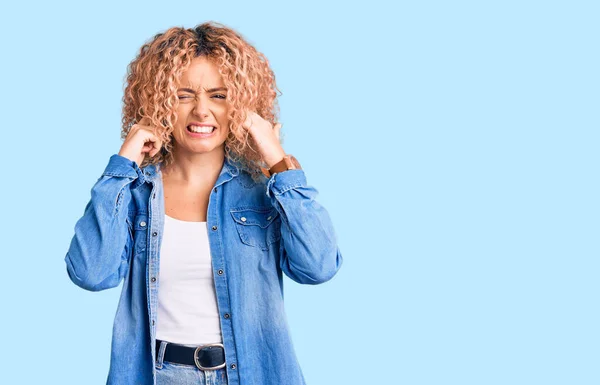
140, 233
257, 226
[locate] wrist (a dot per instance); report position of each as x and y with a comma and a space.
275, 158
288, 162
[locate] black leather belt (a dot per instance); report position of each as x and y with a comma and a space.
205, 357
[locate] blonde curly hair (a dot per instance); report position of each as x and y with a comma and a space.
152, 80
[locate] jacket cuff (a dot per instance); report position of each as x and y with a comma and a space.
123, 167
286, 180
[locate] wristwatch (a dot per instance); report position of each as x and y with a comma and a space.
289, 162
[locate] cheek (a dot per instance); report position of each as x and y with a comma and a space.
182, 114
225, 127
223, 120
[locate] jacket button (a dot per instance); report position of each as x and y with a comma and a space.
226, 315
214, 227
269, 218
233, 366
243, 219
154, 196
142, 223
220, 272
154, 234
153, 279
152, 322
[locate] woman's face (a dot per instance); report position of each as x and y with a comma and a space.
202, 101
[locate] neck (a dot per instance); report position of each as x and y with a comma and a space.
193, 169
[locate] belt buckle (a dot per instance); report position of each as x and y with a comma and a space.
203, 367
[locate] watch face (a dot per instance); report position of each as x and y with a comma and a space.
289, 162
295, 163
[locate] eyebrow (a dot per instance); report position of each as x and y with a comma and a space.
207, 90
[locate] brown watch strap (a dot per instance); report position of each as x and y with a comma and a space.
289, 162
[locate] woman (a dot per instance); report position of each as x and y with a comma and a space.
199, 214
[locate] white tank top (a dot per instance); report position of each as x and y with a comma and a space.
187, 302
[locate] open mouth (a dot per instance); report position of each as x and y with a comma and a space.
189, 128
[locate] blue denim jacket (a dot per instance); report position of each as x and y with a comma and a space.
256, 232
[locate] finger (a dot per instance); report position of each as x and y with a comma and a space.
148, 147
277, 129
148, 138
248, 122
157, 147
145, 121
152, 144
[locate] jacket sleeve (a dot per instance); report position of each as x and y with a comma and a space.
98, 256
308, 252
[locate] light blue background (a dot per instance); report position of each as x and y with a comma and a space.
454, 144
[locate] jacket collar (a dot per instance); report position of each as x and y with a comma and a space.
230, 169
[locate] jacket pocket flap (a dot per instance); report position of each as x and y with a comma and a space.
256, 216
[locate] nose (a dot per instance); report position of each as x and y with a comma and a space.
201, 106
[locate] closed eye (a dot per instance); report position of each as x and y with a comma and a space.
218, 96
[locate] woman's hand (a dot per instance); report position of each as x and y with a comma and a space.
266, 136
140, 141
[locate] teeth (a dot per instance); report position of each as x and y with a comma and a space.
201, 129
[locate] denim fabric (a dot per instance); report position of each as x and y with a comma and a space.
168, 373
257, 231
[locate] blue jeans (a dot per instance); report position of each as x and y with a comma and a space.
169, 373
